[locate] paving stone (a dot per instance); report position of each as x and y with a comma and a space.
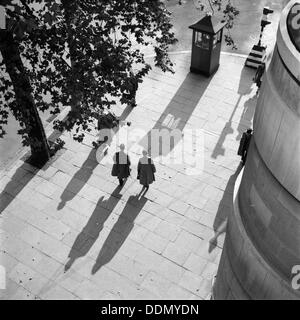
129, 268
38, 284
147, 220
170, 270
195, 213
211, 206
11, 289
177, 254
157, 284
13, 225
205, 289
208, 220
57, 293
22, 294
179, 207
21, 274
46, 188
70, 280
167, 230
155, 243
186, 238
174, 218
176, 292
191, 282
7, 261
209, 271
138, 233
109, 280
195, 264
144, 294
149, 258
195, 228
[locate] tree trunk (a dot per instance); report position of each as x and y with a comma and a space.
26, 110
69, 11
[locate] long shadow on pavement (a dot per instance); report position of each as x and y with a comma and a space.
246, 117
79, 179
24, 174
224, 209
84, 173
176, 115
91, 231
120, 231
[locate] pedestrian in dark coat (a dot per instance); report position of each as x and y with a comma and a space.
133, 86
146, 170
121, 167
258, 75
244, 145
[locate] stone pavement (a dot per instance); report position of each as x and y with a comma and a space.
68, 232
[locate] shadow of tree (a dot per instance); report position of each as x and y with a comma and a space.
176, 115
23, 175
245, 85
91, 231
224, 209
120, 231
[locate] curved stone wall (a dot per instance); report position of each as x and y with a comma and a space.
263, 233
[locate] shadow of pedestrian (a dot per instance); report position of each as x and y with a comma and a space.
84, 173
224, 209
120, 231
79, 179
91, 231
245, 85
246, 117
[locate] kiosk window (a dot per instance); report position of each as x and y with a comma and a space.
216, 38
202, 40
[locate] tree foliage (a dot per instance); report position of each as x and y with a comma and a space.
224, 7
82, 53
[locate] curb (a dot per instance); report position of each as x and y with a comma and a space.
244, 56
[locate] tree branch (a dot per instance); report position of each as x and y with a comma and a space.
28, 10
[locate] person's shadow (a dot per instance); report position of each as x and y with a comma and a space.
225, 207
79, 179
84, 173
120, 230
89, 234
245, 87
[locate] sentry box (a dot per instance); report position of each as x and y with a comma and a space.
206, 47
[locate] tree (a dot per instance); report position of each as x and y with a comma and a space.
16, 91
228, 10
80, 53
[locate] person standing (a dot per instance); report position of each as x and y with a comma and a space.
146, 170
244, 145
121, 167
133, 88
258, 75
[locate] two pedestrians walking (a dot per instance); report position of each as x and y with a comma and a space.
121, 168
